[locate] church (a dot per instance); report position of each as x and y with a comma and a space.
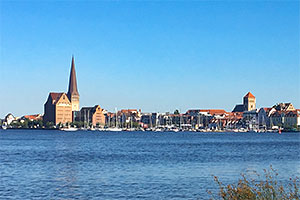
62, 107
249, 103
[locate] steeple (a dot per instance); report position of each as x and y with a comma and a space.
73, 94
249, 102
73, 82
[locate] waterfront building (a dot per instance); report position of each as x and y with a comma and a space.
58, 108
285, 119
128, 116
149, 119
61, 107
203, 118
249, 103
250, 119
196, 112
92, 115
277, 119
229, 120
284, 107
264, 117
110, 119
9, 118
292, 119
33, 117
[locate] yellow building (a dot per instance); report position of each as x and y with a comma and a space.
249, 102
93, 115
61, 107
58, 108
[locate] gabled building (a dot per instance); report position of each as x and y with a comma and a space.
285, 119
33, 117
203, 117
284, 107
58, 108
61, 107
230, 120
249, 103
9, 118
129, 115
92, 115
292, 119
264, 117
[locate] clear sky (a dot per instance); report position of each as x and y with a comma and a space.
155, 55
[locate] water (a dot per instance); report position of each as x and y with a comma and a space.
40, 164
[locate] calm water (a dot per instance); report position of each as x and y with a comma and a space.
142, 165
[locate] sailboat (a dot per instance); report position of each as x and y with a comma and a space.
116, 128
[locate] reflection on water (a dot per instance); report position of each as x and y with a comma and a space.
65, 174
106, 165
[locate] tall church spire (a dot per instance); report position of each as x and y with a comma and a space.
72, 82
73, 94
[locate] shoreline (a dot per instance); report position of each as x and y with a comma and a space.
162, 131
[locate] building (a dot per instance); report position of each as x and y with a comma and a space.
33, 117
9, 118
284, 107
61, 107
92, 115
249, 103
250, 119
264, 117
202, 118
292, 119
73, 93
58, 108
149, 119
285, 119
229, 120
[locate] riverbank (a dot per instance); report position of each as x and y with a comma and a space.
114, 129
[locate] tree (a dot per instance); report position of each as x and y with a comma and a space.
39, 123
49, 125
25, 124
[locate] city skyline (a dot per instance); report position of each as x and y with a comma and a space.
127, 67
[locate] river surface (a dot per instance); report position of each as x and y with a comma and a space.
43, 164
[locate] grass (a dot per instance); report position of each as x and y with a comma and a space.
265, 187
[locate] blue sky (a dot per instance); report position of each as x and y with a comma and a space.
154, 55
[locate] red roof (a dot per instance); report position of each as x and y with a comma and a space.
249, 95
210, 111
56, 95
128, 110
33, 117
214, 111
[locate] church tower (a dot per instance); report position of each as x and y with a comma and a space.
249, 102
73, 94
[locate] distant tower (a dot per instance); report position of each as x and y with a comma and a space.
249, 101
73, 94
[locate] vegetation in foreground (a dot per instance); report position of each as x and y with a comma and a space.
266, 187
